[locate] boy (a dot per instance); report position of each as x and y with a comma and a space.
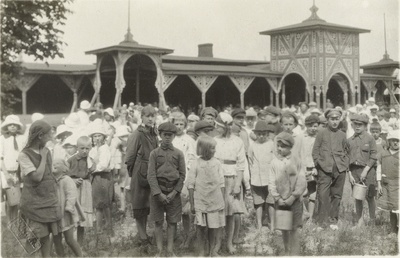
362, 163
375, 129
81, 166
166, 175
312, 124
287, 184
330, 155
261, 153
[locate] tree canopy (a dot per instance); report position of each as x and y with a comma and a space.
31, 27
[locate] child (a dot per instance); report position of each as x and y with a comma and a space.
388, 179
307, 144
362, 163
330, 155
62, 132
69, 145
207, 189
186, 144
166, 175
39, 198
81, 167
12, 142
375, 129
289, 122
102, 185
70, 209
261, 153
286, 185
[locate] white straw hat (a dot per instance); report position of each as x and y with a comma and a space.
36, 117
62, 129
11, 120
85, 105
73, 120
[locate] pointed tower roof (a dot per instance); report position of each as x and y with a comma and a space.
313, 22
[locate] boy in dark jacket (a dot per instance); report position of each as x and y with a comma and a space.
166, 175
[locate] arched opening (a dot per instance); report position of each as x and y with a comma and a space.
49, 95
258, 93
336, 88
107, 77
380, 97
183, 93
85, 91
140, 75
222, 93
295, 89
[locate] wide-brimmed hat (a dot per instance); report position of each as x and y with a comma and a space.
36, 116
11, 120
394, 134
72, 120
85, 105
223, 119
121, 131
62, 129
96, 127
71, 140
109, 111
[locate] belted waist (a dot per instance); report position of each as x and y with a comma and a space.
228, 162
310, 168
166, 185
84, 178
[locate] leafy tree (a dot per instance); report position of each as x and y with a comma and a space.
30, 27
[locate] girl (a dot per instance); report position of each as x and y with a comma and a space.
140, 143
62, 132
12, 141
388, 180
230, 152
186, 144
39, 200
102, 185
70, 209
206, 186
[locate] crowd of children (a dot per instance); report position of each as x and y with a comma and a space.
197, 170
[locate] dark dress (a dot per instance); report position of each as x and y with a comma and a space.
140, 143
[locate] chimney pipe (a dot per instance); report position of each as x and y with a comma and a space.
206, 50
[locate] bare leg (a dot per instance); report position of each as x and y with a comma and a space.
141, 224
202, 241
294, 242
99, 220
46, 246
218, 239
311, 207
271, 213
359, 209
212, 233
236, 231
171, 229
371, 208
186, 229
259, 212
158, 232
285, 236
107, 215
230, 224
72, 243
58, 245
81, 234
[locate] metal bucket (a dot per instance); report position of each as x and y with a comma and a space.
359, 191
283, 220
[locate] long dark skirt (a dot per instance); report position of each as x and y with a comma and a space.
102, 190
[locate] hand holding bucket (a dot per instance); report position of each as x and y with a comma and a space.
359, 191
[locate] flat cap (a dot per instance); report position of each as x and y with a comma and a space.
251, 112
285, 138
332, 112
312, 119
312, 104
273, 110
148, 111
360, 118
290, 114
209, 111
392, 110
193, 118
167, 127
393, 135
238, 111
201, 125
262, 126
315, 110
322, 119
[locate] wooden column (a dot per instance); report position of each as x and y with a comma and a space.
277, 99
318, 96
137, 86
24, 101
203, 99
283, 95
271, 96
306, 95
323, 100
345, 96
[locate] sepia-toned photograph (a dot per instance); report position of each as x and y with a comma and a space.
199, 128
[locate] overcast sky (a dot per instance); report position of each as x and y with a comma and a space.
233, 26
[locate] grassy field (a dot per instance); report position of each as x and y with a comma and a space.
347, 240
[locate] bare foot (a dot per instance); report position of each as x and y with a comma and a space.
231, 249
238, 241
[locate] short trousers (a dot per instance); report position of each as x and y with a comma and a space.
44, 229
140, 213
261, 195
369, 181
210, 220
173, 209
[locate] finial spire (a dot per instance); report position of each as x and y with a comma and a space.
128, 36
314, 16
386, 55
